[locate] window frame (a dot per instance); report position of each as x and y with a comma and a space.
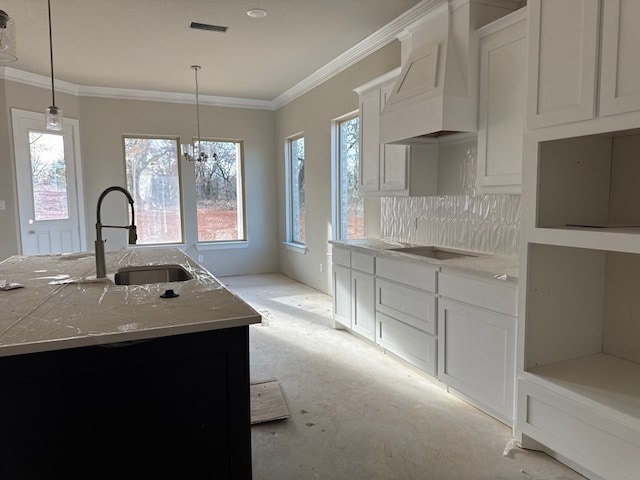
175, 139
290, 243
336, 172
202, 245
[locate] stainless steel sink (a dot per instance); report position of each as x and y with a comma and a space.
433, 252
145, 274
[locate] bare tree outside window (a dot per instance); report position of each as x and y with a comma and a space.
297, 190
219, 195
48, 176
351, 208
154, 182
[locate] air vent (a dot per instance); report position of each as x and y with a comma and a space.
210, 28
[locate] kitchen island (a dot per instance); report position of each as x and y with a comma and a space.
101, 380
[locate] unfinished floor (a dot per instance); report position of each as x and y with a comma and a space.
357, 413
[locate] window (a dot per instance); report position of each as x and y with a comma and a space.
219, 192
295, 190
349, 204
153, 179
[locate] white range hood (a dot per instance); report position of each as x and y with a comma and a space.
437, 91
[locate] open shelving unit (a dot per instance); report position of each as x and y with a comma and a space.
579, 381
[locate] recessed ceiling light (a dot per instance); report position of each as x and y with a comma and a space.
257, 13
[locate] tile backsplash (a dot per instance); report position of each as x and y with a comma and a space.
460, 217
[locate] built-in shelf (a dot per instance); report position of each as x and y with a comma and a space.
613, 239
603, 382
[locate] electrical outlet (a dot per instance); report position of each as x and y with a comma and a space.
415, 224
200, 258
321, 268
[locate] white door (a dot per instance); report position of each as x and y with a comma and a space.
48, 178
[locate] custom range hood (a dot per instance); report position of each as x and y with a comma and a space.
436, 93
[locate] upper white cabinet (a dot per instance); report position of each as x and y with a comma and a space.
565, 68
620, 70
391, 170
563, 53
503, 63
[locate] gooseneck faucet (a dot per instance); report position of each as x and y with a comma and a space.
101, 269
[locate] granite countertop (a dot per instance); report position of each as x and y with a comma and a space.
63, 305
500, 267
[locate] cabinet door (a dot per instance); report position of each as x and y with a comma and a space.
363, 304
563, 53
501, 114
369, 144
393, 158
476, 355
620, 69
342, 295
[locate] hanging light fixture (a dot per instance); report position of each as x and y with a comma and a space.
7, 38
188, 151
53, 114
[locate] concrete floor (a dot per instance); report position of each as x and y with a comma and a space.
357, 413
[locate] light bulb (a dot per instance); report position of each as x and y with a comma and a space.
53, 118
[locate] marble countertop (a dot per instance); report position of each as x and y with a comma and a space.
500, 267
63, 305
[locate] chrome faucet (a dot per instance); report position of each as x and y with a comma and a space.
101, 269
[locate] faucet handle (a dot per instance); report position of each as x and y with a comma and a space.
133, 234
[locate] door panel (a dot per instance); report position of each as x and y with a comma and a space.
49, 197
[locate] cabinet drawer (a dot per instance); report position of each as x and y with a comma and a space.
414, 307
362, 261
410, 344
590, 438
416, 274
492, 295
341, 256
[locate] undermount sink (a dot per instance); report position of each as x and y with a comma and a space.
145, 274
433, 252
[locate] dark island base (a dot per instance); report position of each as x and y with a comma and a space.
172, 407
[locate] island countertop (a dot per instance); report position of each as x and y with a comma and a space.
63, 305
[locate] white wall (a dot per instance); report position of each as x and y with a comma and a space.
312, 114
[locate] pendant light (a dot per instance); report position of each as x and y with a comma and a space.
53, 114
188, 151
7, 38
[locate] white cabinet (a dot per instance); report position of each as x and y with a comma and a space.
564, 64
362, 294
476, 353
385, 169
503, 55
620, 69
406, 309
342, 286
563, 53
353, 291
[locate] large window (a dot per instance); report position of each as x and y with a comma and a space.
349, 204
295, 190
153, 179
219, 192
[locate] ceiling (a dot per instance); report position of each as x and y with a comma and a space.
148, 45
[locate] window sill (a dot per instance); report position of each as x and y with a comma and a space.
204, 247
296, 247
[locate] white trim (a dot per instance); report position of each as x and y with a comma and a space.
296, 247
361, 50
230, 245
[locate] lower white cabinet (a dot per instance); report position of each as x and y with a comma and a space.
476, 354
406, 308
362, 304
342, 286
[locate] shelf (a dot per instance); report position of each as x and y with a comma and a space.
625, 239
603, 382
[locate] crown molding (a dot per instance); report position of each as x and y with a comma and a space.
377, 40
370, 44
